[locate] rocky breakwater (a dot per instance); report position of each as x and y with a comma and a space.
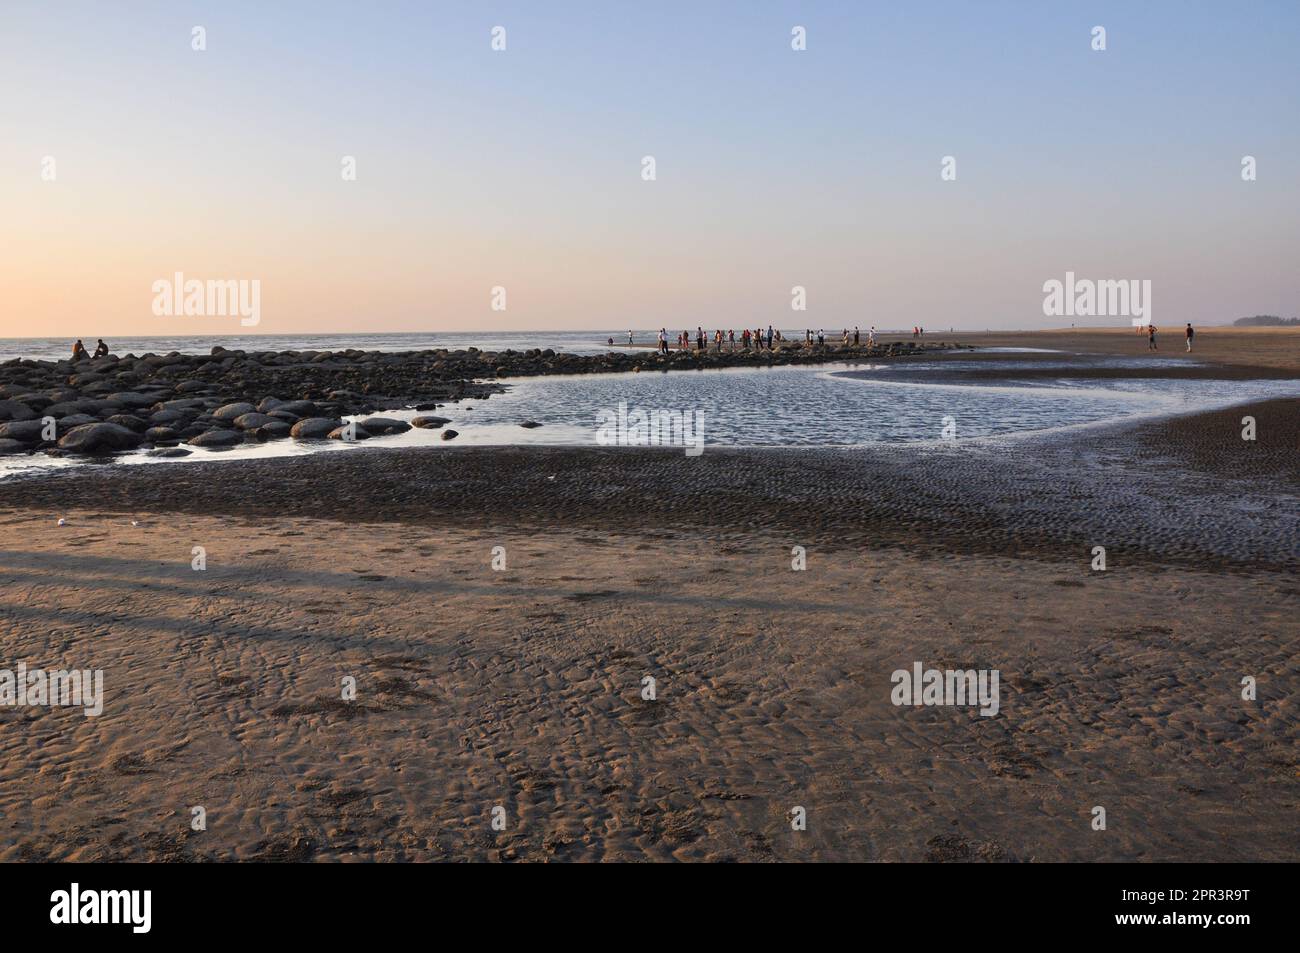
226, 398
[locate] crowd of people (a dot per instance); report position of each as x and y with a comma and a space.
755, 339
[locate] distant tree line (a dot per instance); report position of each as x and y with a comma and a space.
1265, 321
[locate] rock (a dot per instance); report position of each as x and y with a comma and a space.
275, 430
314, 428
217, 438
384, 426
170, 452
231, 411
449, 434
358, 433
14, 410
430, 422
25, 431
162, 435
299, 408
530, 424
189, 387
8, 446
130, 422
268, 404
162, 418
252, 421
99, 438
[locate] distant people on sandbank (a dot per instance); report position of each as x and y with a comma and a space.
1189, 333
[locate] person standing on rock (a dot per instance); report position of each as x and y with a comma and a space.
855, 335
1188, 334
769, 337
871, 337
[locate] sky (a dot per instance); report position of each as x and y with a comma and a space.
128, 156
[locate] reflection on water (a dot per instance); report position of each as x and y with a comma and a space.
791, 407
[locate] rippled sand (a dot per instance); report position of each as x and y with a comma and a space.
522, 688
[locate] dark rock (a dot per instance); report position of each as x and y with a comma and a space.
99, 438
358, 433
384, 426
314, 428
230, 411
8, 447
530, 424
252, 421
449, 434
25, 431
14, 410
274, 430
217, 438
170, 452
430, 422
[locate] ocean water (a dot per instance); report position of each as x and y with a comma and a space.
572, 342
829, 406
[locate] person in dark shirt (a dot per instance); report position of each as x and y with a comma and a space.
101, 349
1188, 334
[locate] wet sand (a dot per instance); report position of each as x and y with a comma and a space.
521, 688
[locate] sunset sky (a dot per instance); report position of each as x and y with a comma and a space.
522, 168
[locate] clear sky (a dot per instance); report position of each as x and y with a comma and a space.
522, 169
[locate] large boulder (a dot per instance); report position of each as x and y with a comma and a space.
99, 438
230, 411
252, 421
358, 433
11, 446
383, 426
162, 435
15, 410
130, 422
314, 428
217, 438
274, 430
26, 431
299, 408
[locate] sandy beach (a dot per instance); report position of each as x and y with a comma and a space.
521, 687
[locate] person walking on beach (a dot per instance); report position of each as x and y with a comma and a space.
1188, 334
871, 337
1151, 337
629, 338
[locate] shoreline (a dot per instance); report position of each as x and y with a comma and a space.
520, 687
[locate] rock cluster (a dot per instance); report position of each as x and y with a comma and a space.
110, 404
